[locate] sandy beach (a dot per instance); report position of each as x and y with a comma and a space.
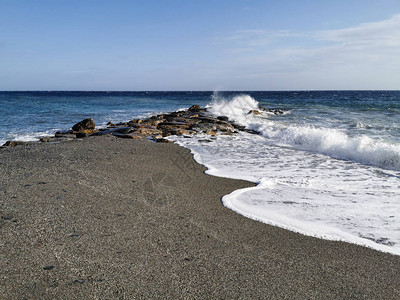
110, 218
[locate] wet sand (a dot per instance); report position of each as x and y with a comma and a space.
109, 218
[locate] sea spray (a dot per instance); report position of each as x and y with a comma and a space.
329, 141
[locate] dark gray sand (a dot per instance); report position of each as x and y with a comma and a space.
108, 218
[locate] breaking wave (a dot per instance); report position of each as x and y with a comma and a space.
336, 143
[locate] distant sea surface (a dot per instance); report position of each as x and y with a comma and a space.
329, 166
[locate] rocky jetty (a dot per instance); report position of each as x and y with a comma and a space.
195, 120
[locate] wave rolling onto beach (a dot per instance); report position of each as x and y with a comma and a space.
330, 182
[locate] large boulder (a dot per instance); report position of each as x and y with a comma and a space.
194, 108
84, 125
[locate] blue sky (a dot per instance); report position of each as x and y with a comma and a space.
199, 45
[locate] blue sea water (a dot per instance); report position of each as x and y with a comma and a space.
328, 167
29, 115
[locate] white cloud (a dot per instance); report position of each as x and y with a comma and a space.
387, 32
366, 56
250, 39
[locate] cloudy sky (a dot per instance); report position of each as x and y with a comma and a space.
199, 45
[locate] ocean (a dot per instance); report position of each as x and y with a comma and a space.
328, 166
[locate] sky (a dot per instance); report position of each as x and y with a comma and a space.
192, 45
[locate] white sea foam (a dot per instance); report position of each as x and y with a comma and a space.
26, 136
330, 141
321, 182
306, 192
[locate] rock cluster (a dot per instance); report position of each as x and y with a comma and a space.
193, 121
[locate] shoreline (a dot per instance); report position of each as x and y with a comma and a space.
105, 217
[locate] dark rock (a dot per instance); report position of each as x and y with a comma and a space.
254, 112
272, 110
165, 126
194, 108
153, 122
136, 121
205, 141
81, 135
84, 124
251, 131
180, 131
148, 131
48, 267
88, 131
238, 127
170, 119
124, 130
207, 119
174, 114
223, 118
203, 127
161, 140
181, 120
189, 114
177, 120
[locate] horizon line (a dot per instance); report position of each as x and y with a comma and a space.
197, 91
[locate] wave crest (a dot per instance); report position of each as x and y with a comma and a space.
329, 141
